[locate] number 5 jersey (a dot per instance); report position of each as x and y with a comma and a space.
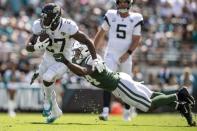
120, 31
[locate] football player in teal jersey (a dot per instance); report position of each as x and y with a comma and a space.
122, 86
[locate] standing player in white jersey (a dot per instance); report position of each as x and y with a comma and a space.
63, 33
124, 32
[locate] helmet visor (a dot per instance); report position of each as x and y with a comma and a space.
123, 5
47, 19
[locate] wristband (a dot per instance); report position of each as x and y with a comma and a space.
66, 62
129, 52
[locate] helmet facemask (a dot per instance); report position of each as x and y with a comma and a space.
123, 9
50, 16
80, 52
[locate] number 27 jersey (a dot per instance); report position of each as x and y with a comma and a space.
120, 30
61, 41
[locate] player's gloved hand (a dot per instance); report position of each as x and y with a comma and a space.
59, 57
41, 45
98, 64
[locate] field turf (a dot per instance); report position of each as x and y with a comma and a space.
90, 122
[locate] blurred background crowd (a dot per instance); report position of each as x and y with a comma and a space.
166, 58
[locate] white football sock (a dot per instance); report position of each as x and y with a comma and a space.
51, 97
11, 108
106, 110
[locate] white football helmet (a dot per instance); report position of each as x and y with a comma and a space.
80, 52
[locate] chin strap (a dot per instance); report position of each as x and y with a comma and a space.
123, 10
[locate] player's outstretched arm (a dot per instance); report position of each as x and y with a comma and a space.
76, 69
84, 39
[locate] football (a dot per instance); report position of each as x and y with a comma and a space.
33, 38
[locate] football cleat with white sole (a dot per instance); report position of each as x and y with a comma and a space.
47, 111
104, 116
128, 114
185, 110
12, 114
54, 116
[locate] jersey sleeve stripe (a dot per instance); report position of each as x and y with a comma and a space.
60, 24
87, 59
106, 19
135, 94
139, 23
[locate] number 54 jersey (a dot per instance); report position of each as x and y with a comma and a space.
120, 30
61, 42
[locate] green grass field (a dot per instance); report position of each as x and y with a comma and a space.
90, 122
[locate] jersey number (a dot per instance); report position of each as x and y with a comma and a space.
92, 80
62, 41
121, 32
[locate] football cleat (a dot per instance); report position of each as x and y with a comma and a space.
185, 110
184, 96
12, 114
53, 116
103, 116
128, 114
47, 112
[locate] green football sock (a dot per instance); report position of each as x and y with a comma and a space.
160, 99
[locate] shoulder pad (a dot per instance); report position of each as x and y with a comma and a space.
36, 28
137, 18
69, 26
111, 12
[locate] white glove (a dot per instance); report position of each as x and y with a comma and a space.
41, 45
98, 64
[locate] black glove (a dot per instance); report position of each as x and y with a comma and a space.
59, 57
